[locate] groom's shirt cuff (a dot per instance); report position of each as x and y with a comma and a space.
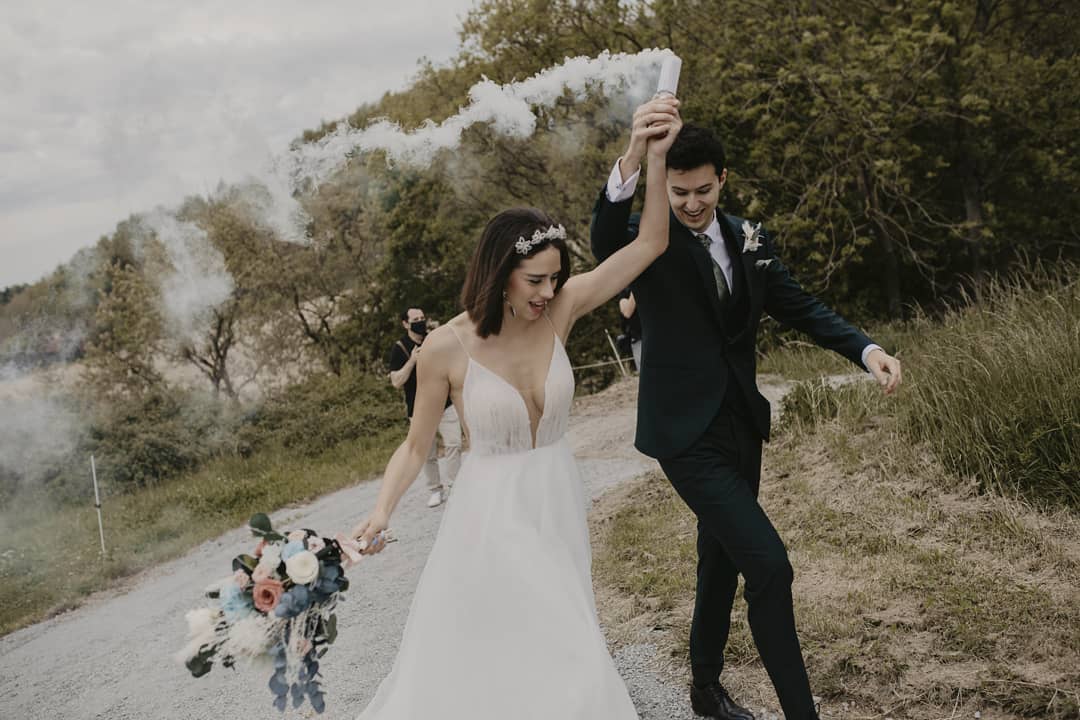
618, 189
866, 350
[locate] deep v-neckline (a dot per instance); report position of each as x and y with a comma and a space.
533, 432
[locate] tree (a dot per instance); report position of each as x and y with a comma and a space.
126, 337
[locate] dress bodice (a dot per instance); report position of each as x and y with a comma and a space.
497, 417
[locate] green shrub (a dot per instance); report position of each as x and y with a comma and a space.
140, 441
324, 410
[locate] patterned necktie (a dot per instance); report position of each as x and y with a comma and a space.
722, 288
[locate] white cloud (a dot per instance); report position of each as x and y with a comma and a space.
114, 107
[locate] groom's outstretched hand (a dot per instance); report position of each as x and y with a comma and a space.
885, 369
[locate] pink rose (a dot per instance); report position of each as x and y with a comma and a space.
297, 535
261, 572
242, 579
315, 543
266, 595
259, 547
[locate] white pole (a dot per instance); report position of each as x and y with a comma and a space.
615, 352
97, 504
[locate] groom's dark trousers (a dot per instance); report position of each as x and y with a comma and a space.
700, 414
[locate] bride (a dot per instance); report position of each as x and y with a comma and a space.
503, 622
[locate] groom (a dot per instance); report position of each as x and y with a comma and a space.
699, 411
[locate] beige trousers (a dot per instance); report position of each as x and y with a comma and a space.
450, 432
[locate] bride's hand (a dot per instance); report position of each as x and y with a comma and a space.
659, 144
370, 533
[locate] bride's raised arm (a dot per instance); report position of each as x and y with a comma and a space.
585, 292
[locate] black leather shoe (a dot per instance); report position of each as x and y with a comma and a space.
713, 701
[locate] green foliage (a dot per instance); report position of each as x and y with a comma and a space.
140, 441
323, 411
127, 332
11, 291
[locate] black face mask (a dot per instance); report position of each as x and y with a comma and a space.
419, 327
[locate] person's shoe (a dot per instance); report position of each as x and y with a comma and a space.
435, 500
713, 701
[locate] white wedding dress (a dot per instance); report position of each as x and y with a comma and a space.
503, 623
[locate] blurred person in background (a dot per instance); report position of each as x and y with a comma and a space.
403, 357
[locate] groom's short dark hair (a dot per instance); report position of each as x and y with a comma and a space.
696, 146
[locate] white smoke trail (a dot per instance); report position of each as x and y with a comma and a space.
37, 428
197, 280
508, 109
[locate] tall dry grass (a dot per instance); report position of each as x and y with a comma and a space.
995, 388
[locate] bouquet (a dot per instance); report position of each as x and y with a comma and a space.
277, 606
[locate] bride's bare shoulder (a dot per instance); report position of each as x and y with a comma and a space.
443, 343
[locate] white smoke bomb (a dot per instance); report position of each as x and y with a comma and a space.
669, 76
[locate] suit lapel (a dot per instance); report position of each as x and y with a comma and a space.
745, 275
704, 263
740, 261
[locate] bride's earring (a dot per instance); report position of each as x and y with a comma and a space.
513, 312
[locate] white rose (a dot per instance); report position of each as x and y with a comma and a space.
271, 557
303, 567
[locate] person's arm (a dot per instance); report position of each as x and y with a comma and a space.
432, 389
612, 226
628, 306
400, 375
583, 293
787, 302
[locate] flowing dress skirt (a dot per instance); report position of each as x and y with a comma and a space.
503, 623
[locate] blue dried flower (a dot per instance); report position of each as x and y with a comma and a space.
235, 606
291, 548
293, 602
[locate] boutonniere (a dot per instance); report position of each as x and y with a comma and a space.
763, 263
751, 235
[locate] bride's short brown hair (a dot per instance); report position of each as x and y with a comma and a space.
496, 256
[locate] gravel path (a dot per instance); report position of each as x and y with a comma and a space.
112, 658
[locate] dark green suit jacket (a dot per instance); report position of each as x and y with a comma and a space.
692, 347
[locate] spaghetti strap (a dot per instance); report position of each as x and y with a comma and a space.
460, 341
553, 330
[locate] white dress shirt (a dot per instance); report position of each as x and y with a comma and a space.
619, 190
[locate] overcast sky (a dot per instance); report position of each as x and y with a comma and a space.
114, 107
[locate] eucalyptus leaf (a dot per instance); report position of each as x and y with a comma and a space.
260, 524
244, 562
331, 629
